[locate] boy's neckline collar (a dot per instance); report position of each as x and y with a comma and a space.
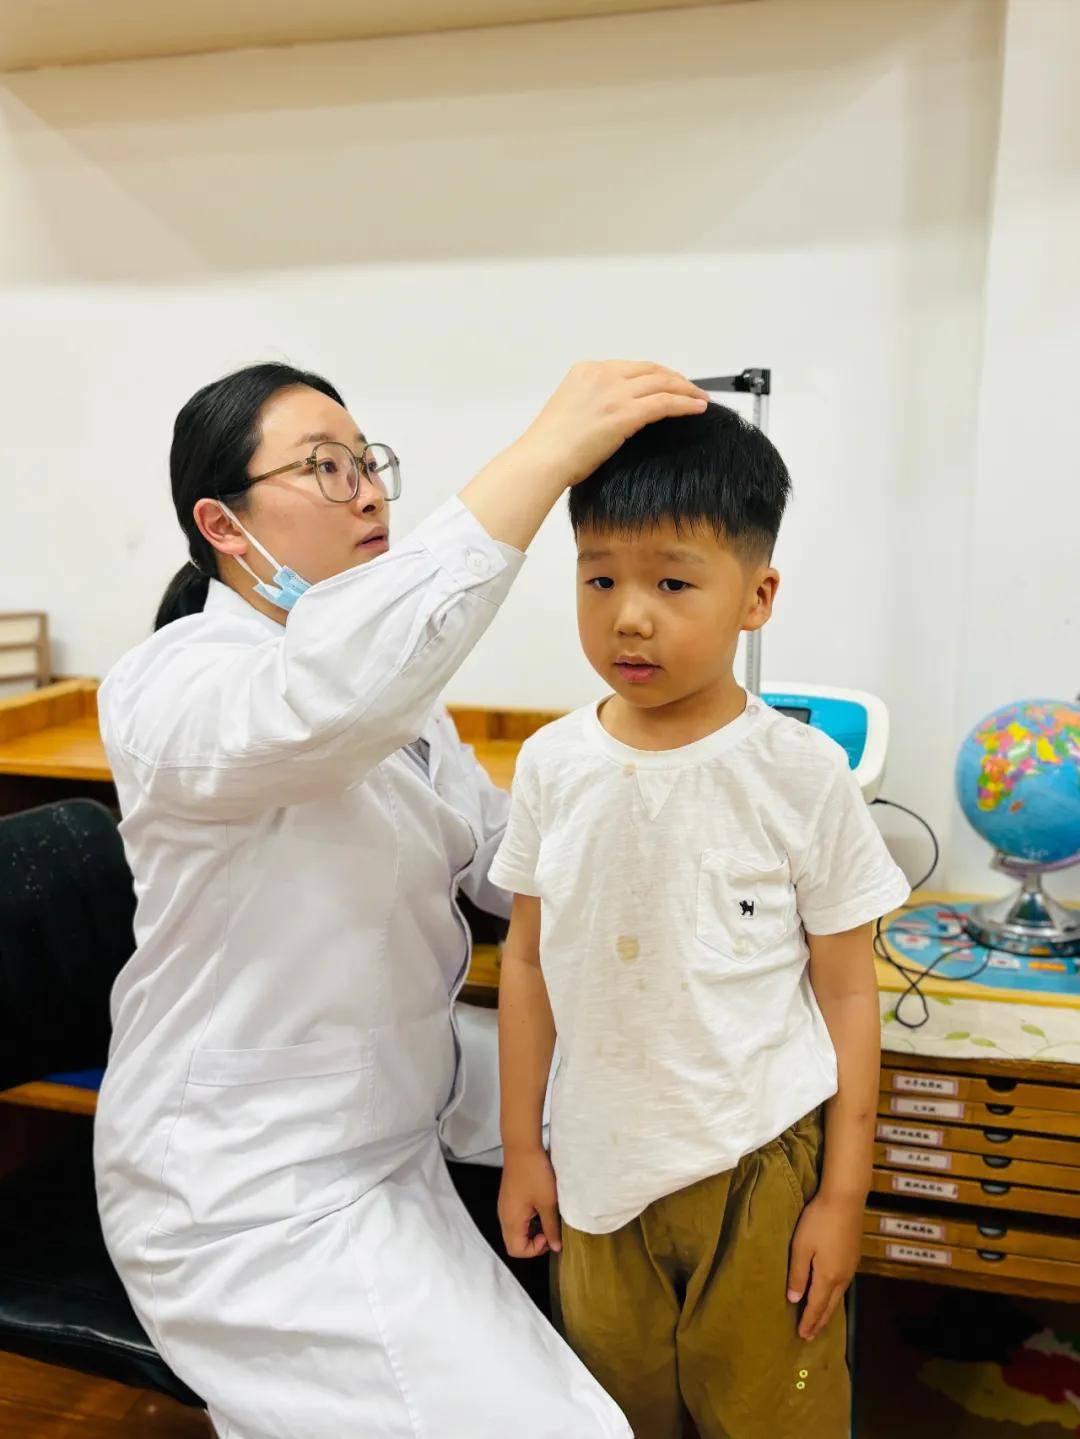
706, 748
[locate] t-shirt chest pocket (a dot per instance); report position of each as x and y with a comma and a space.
744, 905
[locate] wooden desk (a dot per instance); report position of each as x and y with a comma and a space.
50, 748
52, 733
65, 751
977, 1161
44, 1094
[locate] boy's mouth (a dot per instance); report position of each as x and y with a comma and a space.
635, 669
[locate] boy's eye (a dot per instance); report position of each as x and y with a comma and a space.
674, 587
601, 582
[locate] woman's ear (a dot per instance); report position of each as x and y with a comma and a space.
217, 529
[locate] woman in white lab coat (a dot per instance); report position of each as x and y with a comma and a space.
299, 816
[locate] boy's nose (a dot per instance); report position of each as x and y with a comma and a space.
634, 620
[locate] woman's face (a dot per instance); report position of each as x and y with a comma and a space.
288, 513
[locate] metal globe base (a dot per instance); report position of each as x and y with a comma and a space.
1028, 921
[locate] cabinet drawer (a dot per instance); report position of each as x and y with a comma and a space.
972, 1261
992, 1142
984, 1194
1016, 1117
972, 1232
941, 1085
993, 1167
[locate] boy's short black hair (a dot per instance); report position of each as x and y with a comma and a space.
714, 467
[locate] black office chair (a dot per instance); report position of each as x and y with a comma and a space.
66, 906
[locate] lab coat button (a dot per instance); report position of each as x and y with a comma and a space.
477, 562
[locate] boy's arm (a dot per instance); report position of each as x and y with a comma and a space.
527, 1198
828, 1238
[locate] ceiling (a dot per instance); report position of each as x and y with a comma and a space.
75, 32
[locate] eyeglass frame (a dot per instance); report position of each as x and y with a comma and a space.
357, 458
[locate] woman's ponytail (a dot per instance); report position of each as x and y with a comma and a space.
185, 595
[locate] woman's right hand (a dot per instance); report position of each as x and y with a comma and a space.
596, 408
601, 404
528, 1205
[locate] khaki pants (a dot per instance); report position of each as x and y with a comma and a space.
685, 1308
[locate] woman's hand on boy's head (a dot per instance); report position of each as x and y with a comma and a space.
601, 404
528, 1206
824, 1257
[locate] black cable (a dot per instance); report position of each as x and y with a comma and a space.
913, 977
892, 804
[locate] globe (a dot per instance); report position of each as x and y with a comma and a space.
1018, 781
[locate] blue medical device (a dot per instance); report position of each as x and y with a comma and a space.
857, 721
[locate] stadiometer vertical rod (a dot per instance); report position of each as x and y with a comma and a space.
756, 382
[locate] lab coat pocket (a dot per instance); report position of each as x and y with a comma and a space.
264, 1134
744, 907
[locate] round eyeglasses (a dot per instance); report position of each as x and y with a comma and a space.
338, 471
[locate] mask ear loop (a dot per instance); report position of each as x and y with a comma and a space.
267, 556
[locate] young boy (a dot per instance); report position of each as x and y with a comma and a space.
695, 879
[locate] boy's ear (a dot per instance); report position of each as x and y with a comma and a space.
760, 609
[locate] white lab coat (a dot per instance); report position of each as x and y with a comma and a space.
284, 1062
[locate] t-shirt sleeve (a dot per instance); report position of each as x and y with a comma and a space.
514, 865
847, 876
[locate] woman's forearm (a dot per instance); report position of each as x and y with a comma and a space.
512, 495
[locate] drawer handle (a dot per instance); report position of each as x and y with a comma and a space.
1000, 1109
993, 1231
992, 1256
1001, 1086
996, 1161
989, 1187
998, 1136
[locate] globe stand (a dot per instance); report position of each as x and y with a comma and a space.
1027, 921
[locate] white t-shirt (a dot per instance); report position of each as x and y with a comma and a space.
675, 886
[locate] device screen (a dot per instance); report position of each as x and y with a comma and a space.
794, 711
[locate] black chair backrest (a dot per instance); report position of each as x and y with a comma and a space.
66, 910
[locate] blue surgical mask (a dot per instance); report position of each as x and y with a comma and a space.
286, 587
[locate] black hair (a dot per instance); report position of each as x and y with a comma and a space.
215, 435
714, 468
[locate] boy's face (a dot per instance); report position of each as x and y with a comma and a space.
660, 612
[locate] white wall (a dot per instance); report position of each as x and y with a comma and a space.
443, 223
1019, 624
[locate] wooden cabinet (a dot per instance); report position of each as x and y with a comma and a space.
977, 1175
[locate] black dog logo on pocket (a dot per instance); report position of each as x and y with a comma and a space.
746, 906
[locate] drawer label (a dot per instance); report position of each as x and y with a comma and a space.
918, 1158
929, 1108
918, 1254
912, 1228
908, 1134
929, 1188
926, 1084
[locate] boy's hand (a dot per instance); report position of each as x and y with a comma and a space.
824, 1255
528, 1203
